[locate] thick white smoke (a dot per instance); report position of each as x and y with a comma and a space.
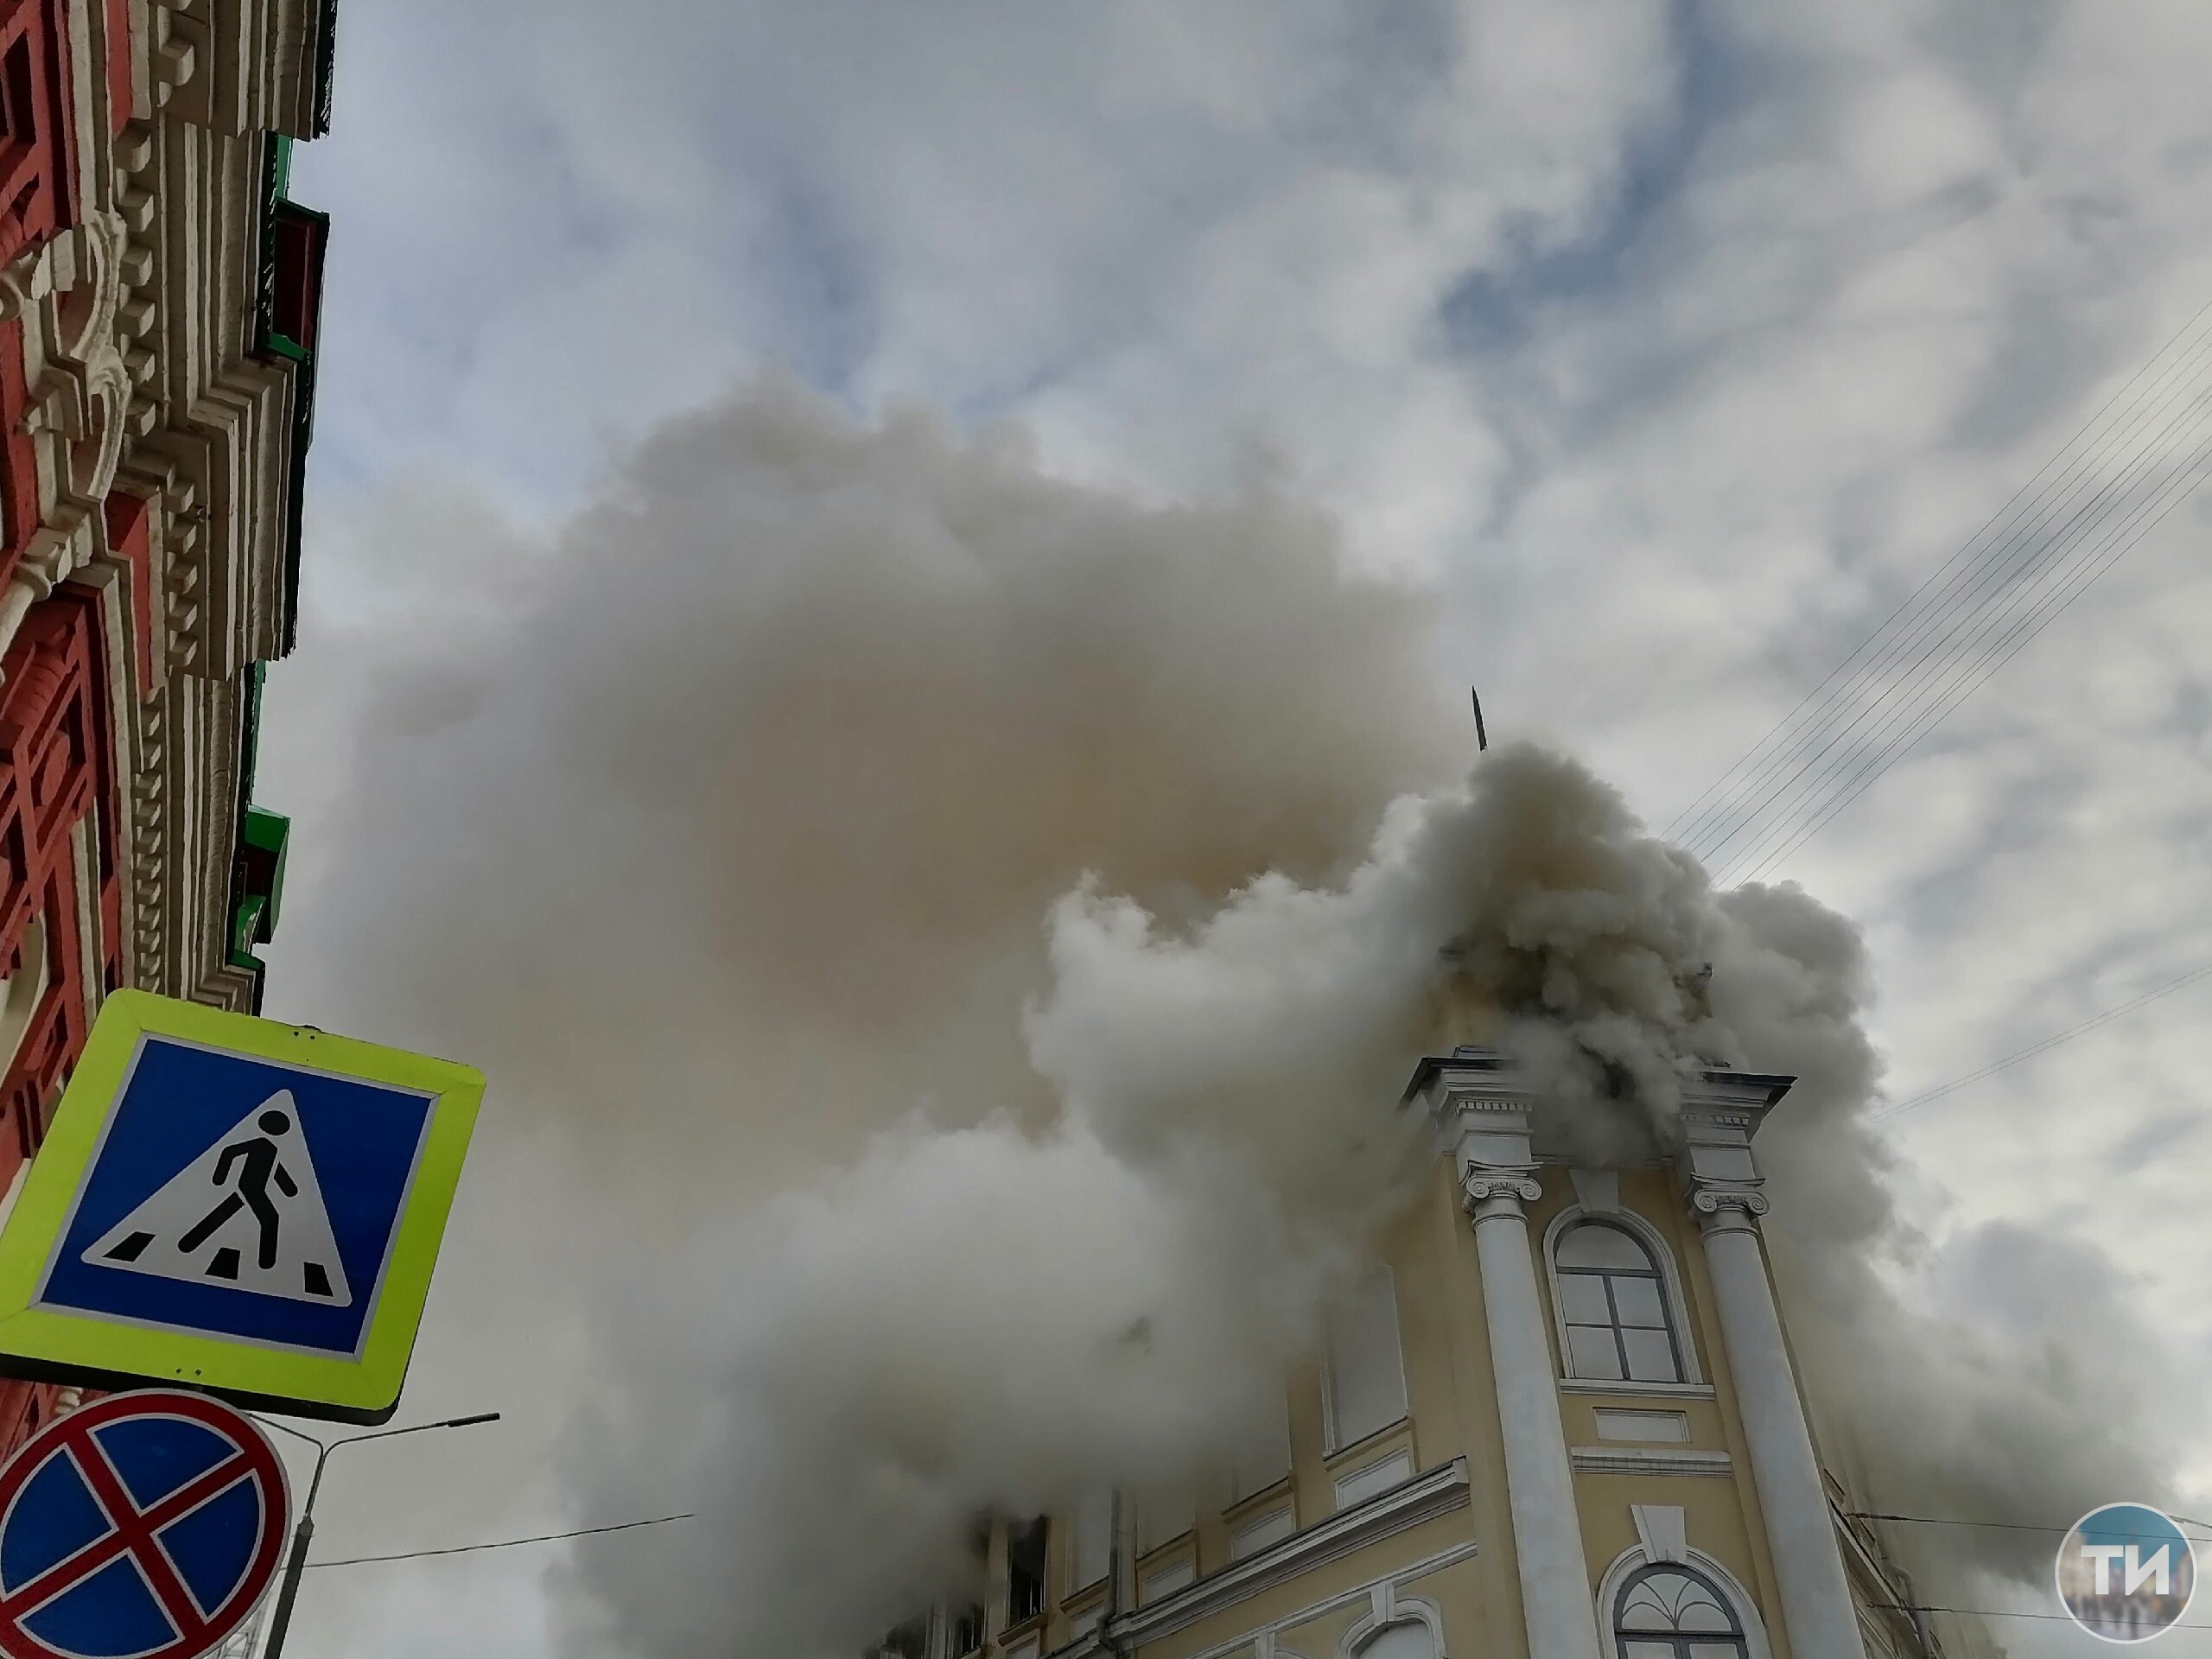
969, 932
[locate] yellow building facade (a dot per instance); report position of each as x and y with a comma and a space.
1562, 1423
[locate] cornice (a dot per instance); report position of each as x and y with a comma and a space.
1439, 1492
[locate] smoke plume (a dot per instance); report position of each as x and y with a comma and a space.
969, 932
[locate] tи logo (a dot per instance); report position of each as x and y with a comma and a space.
2126, 1572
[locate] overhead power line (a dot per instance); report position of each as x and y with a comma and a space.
505, 1543
2005, 1526
2180, 983
1954, 661
2128, 465
2001, 1526
2004, 1612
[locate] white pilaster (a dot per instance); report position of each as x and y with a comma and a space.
1539, 1481
1817, 1604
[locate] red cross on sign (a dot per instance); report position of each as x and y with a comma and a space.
144, 1526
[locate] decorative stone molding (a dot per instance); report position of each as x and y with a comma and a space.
1487, 1192
1723, 1209
1440, 1491
1386, 1608
1648, 1460
1266, 1642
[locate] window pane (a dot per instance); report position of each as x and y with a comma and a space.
1591, 1353
1366, 1379
1717, 1649
1262, 1457
1162, 1513
1637, 1302
1647, 1649
1582, 1298
1650, 1356
1090, 1549
1588, 1244
1700, 1613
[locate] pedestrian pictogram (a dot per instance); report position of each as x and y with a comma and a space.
247, 1212
239, 1205
144, 1526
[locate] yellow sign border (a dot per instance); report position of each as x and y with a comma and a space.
50, 1344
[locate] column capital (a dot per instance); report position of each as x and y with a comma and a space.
1489, 1194
1727, 1208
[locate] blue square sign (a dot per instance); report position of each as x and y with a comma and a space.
236, 1205
347, 1151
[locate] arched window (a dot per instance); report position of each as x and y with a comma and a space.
1668, 1611
1613, 1304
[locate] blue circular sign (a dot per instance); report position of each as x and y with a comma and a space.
2126, 1572
144, 1526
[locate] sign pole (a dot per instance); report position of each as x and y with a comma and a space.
287, 1593
281, 1620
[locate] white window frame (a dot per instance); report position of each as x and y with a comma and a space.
1334, 1441
1670, 1286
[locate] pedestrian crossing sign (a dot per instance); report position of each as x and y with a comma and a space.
238, 1206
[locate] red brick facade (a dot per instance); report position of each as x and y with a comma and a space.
158, 297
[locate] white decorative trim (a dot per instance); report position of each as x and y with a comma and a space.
91, 949
1440, 1491
1670, 1283
1695, 1561
1637, 1390
1360, 1481
1386, 1609
1664, 1531
1639, 1425
1241, 1542
1648, 1460
1312, 1610
1598, 1191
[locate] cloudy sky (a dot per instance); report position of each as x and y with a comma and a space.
1659, 350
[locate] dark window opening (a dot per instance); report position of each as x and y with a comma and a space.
964, 1630
1024, 1569
910, 1640
18, 94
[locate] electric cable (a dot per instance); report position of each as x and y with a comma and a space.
2029, 626
1692, 825
2086, 523
2179, 982
2016, 632
505, 1543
